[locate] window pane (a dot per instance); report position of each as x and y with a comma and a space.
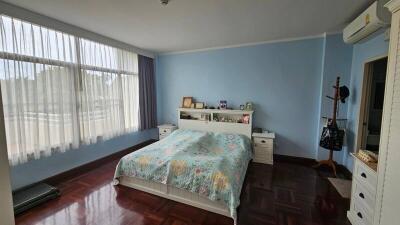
39, 105
53, 101
109, 105
100, 55
130, 100
27, 39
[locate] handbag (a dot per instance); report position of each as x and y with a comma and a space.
332, 138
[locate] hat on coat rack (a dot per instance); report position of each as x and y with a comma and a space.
343, 93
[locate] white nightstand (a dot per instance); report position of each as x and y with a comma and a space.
165, 130
263, 145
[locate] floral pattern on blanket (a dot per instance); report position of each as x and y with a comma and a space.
210, 164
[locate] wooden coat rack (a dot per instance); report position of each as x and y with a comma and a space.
330, 162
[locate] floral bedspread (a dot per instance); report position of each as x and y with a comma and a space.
210, 164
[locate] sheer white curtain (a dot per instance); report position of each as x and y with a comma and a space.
56, 97
38, 89
109, 101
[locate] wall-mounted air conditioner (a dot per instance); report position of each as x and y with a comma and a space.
373, 18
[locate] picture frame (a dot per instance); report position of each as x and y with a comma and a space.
187, 102
199, 105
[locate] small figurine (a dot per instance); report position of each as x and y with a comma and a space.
246, 118
223, 104
249, 106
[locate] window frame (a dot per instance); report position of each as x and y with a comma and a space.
77, 65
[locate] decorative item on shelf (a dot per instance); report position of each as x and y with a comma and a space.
367, 156
193, 105
199, 105
205, 117
187, 102
249, 106
257, 130
241, 107
186, 116
223, 104
246, 118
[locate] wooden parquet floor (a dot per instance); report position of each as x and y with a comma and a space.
283, 194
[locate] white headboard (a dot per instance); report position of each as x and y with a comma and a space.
213, 122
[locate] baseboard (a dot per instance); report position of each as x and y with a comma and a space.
309, 162
294, 159
74, 172
346, 172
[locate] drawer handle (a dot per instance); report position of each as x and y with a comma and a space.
359, 215
361, 195
263, 141
364, 175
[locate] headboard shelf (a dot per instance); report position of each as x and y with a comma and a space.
227, 111
215, 120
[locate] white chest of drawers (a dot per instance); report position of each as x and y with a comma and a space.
263, 145
363, 194
165, 130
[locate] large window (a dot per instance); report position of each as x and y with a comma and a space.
60, 91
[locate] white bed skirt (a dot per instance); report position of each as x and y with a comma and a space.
175, 194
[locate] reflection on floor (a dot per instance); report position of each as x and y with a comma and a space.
285, 194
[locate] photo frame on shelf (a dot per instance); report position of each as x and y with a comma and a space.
199, 105
187, 102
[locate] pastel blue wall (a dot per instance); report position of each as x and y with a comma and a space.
337, 60
281, 79
374, 46
287, 81
37, 170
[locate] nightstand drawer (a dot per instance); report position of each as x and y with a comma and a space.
162, 136
165, 131
365, 176
267, 160
258, 151
361, 215
263, 142
363, 196
263, 146
263, 155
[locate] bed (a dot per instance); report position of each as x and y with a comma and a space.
205, 169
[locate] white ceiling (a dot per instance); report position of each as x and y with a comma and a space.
197, 24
